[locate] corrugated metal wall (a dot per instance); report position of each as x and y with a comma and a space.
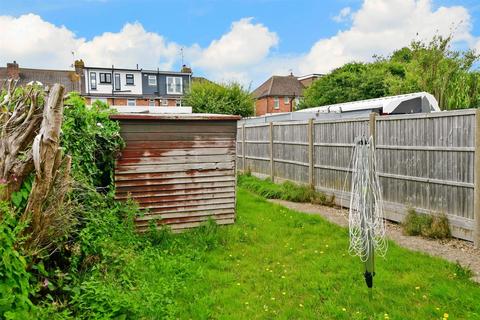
182, 171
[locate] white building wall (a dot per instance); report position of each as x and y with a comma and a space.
106, 88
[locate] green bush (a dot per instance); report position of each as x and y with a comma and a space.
92, 139
15, 288
210, 97
430, 226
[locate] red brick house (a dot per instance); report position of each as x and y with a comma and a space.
281, 93
278, 94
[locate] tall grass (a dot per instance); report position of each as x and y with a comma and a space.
286, 191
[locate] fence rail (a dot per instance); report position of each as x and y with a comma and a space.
430, 162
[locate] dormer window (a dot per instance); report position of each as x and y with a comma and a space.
174, 85
129, 79
152, 81
105, 78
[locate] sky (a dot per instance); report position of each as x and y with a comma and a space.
226, 40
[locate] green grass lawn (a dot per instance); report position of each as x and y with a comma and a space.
275, 263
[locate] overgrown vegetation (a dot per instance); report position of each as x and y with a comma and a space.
210, 97
285, 191
430, 226
434, 67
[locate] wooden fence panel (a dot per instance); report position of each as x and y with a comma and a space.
290, 151
257, 149
424, 161
240, 148
333, 144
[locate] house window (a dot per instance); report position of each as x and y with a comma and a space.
129, 79
178, 102
105, 78
276, 103
131, 102
93, 80
151, 103
117, 81
286, 100
152, 80
174, 85
164, 102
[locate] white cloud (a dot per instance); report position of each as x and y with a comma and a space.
131, 45
379, 27
343, 15
246, 52
245, 46
35, 42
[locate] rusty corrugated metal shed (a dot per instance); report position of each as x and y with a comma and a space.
181, 167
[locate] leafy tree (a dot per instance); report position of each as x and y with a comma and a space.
432, 67
209, 97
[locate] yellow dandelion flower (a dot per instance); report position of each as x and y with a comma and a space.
445, 315
343, 309
284, 293
417, 288
300, 305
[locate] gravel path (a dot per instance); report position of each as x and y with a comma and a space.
452, 249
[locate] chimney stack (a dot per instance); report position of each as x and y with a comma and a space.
13, 71
80, 77
186, 69
79, 65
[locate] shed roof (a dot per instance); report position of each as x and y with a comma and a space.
174, 116
279, 86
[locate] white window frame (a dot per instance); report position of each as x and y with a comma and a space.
276, 103
117, 82
129, 102
151, 103
177, 84
164, 102
286, 100
93, 81
150, 82
129, 79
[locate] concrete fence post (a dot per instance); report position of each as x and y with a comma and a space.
311, 179
476, 176
272, 173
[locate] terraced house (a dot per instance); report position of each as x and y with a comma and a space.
115, 86
136, 87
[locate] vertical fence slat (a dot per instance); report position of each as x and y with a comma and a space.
476, 201
372, 127
311, 179
244, 151
272, 173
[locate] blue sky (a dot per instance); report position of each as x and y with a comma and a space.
298, 35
